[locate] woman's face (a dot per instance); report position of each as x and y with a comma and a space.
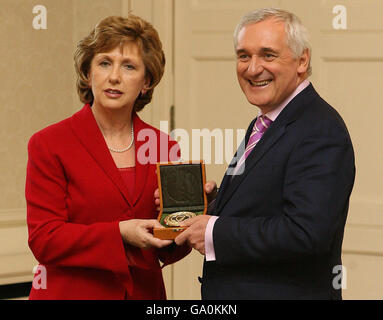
117, 77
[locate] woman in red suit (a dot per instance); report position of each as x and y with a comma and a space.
91, 177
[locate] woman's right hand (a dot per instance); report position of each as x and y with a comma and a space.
137, 232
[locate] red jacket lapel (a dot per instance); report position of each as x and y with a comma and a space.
141, 168
152, 146
87, 131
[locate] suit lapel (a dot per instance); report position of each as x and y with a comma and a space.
271, 136
227, 178
87, 131
288, 115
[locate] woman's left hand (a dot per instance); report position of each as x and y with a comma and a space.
137, 232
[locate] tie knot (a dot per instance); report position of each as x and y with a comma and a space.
262, 124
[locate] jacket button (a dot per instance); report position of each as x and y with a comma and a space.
128, 213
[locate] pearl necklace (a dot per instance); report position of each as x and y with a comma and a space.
128, 147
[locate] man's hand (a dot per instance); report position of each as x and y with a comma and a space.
137, 232
194, 235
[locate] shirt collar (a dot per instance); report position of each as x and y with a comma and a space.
273, 114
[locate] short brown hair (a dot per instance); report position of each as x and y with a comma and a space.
115, 31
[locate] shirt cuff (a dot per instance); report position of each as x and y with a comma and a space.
209, 244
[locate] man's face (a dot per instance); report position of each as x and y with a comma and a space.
266, 68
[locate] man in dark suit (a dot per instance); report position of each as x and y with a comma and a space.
277, 227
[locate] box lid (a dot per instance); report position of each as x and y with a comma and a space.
182, 187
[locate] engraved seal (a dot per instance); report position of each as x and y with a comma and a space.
174, 219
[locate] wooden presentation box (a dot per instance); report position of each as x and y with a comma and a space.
182, 195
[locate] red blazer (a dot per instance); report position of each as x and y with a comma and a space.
75, 200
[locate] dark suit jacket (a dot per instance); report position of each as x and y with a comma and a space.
75, 200
281, 223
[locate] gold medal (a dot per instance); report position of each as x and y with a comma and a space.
174, 219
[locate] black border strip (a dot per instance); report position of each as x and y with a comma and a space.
16, 290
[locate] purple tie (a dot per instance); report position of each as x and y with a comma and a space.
259, 129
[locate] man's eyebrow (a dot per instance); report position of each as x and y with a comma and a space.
239, 51
261, 50
268, 49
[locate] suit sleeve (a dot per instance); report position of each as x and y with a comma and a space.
316, 188
52, 238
